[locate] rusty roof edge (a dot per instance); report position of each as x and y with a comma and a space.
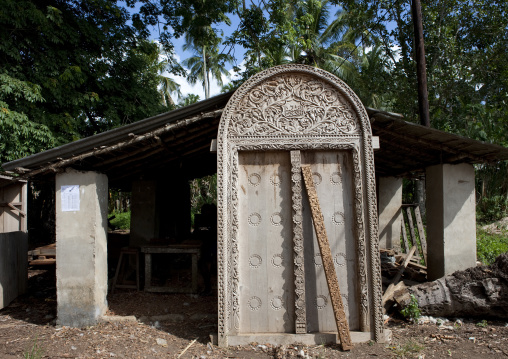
372, 112
117, 134
397, 118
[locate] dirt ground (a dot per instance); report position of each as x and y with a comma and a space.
172, 326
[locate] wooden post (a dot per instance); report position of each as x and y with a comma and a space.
421, 71
412, 229
326, 255
421, 232
404, 234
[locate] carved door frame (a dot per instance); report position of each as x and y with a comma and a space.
296, 108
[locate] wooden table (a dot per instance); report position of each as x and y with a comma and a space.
192, 249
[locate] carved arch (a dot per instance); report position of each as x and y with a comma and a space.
293, 107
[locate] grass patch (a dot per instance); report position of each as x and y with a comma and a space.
409, 349
490, 245
122, 220
35, 351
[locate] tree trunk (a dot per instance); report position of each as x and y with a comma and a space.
421, 68
474, 292
205, 75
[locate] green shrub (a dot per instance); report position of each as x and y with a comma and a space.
489, 246
411, 311
491, 209
121, 220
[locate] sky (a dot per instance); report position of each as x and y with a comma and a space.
180, 55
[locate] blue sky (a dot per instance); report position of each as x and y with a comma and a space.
181, 55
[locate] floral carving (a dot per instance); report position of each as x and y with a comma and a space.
288, 104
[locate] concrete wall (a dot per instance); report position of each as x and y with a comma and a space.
143, 212
81, 251
390, 215
451, 221
13, 266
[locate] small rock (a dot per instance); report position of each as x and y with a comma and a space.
263, 347
161, 342
446, 327
73, 347
441, 321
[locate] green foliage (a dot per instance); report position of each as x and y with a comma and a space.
411, 311
491, 209
188, 100
203, 191
71, 69
482, 324
489, 246
122, 220
20, 137
491, 191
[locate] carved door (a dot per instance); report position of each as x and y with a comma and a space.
265, 243
266, 249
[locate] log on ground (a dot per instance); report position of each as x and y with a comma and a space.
474, 292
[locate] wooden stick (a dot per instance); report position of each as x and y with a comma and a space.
399, 274
421, 232
412, 229
404, 234
326, 255
22, 213
188, 346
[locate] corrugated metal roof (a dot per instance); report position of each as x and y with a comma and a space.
162, 143
118, 134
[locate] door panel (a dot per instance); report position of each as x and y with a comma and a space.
332, 173
265, 243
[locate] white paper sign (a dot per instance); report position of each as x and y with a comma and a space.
70, 198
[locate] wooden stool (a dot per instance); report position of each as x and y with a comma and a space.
121, 267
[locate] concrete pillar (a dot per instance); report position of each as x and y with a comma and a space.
390, 216
451, 221
143, 212
81, 247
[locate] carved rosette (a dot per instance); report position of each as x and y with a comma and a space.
296, 180
296, 107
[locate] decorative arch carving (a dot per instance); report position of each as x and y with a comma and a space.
296, 107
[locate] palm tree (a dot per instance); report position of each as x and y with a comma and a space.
330, 47
206, 64
162, 62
